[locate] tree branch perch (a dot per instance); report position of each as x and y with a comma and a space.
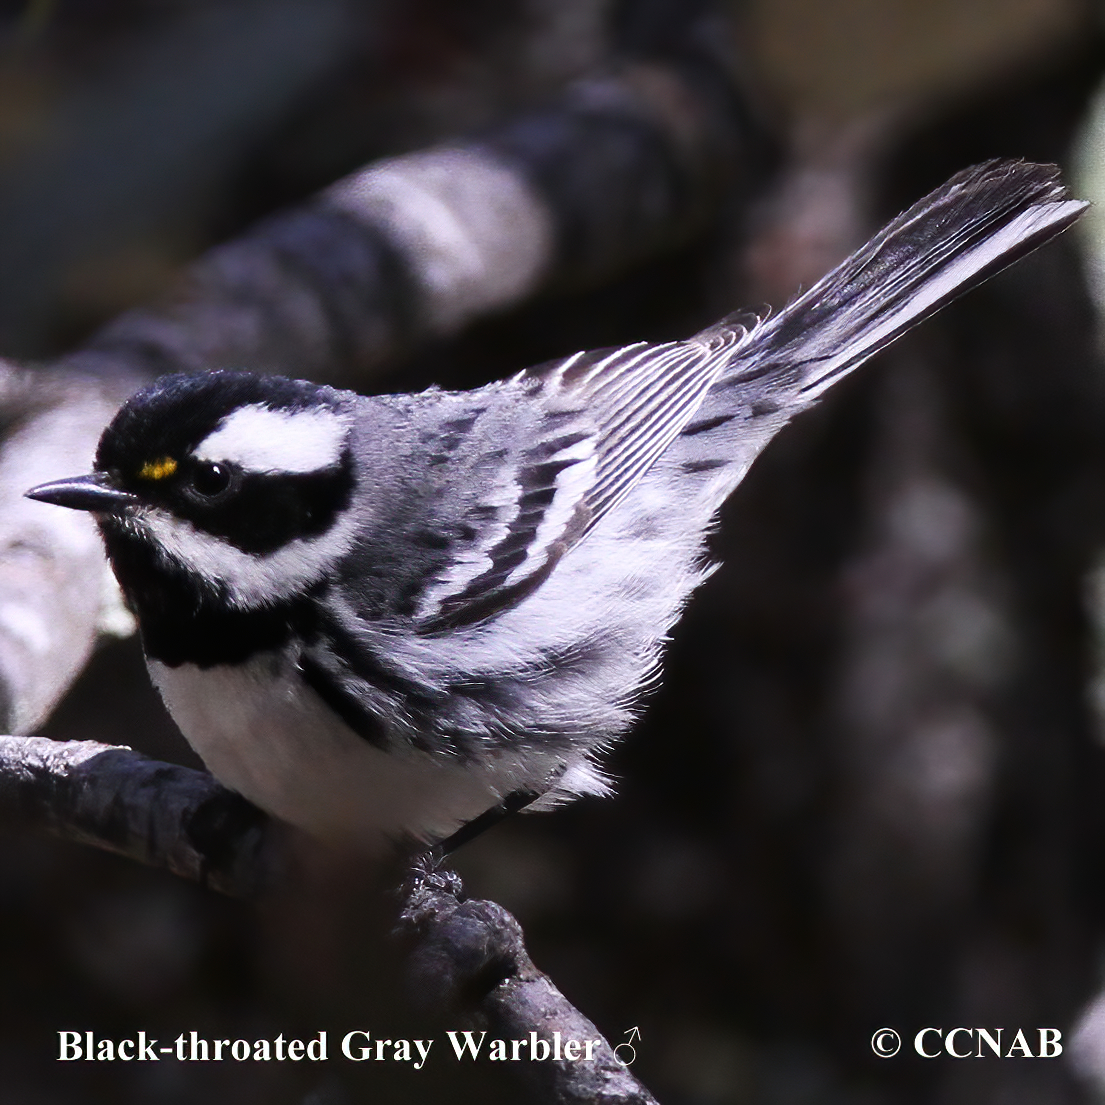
468, 955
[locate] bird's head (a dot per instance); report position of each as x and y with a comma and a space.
231, 481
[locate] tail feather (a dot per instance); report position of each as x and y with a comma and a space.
976, 224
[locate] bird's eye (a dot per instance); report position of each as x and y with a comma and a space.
210, 479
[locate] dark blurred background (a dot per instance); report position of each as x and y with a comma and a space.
870, 791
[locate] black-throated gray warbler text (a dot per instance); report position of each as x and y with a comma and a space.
383, 617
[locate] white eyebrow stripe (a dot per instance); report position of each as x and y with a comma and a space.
261, 439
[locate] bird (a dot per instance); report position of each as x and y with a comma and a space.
391, 620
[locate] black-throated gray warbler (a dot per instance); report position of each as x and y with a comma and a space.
383, 616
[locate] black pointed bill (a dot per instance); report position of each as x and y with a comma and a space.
94, 492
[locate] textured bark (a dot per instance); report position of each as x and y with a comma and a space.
156, 813
468, 956
471, 955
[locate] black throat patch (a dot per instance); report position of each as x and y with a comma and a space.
186, 620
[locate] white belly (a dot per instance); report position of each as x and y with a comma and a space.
265, 734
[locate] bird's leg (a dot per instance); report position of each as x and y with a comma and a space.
512, 803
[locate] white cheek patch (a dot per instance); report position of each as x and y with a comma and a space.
260, 439
250, 580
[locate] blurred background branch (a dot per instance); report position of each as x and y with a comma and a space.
870, 790
626, 163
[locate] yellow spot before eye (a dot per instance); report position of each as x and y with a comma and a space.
157, 469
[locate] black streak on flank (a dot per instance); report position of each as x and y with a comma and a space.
554, 419
552, 447
765, 406
543, 475
751, 373
431, 539
346, 706
693, 467
462, 424
707, 424
335, 673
